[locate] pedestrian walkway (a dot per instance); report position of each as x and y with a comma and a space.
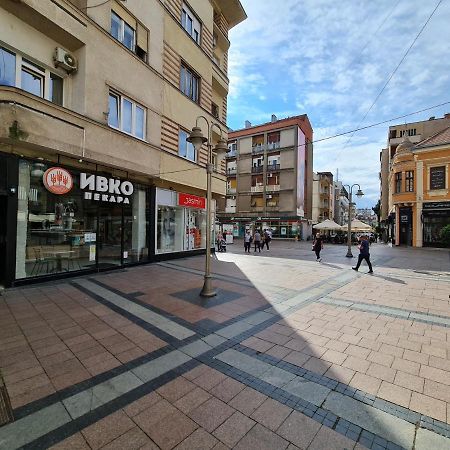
290, 354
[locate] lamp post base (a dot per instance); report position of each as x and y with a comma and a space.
349, 254
207, 290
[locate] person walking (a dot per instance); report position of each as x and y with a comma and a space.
364, 253
219, 240
318, 246
267, 239
257, 240
247, 241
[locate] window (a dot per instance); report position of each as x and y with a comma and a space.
398, 182
56, 89
32, 78
185, 148
122, 31
437, 177
126, 115
409, 181
7, 68
189, 83
215, 110
190, 23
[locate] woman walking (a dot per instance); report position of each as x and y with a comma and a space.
257, 240
318, 246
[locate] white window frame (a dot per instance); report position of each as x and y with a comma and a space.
196, 31
189, 81
122, 32
180, 130
134, 105
22, 62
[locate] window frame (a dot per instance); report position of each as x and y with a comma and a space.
134, 105
398, 182
195, 25
409, 181
121, 37
187, 145
194, 93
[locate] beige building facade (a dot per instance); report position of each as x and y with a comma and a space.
269, 178
323, 200
101, 97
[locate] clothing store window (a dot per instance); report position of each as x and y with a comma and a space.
195, 237
170, 229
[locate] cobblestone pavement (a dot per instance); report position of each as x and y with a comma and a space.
290, 354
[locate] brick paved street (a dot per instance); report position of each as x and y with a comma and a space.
291, 354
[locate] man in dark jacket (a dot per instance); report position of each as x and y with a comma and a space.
364, 253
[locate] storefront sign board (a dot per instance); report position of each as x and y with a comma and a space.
58, 180
191, 201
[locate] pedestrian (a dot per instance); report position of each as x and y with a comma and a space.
363, 253
318, 246
219, 240
267, 238
247, 241
257, 240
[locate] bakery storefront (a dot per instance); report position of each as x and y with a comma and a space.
67, 217
435, 216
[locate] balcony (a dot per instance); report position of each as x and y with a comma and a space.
259, 148
231, 171
272, 206
231, 191
272, 187
257, 169
273, 167
259, 188
273, 145
230, 209
255, 208
231, 154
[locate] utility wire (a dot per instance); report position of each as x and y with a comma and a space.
96, 6
391, 76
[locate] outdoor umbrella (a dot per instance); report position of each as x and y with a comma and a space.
327, 225
357, 225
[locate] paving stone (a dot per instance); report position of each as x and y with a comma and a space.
299, 429
191, 400
133, 439
233, 429
381, 372
210, 378
198, 440
357, 364
409, 381
277, 377
214, 340
334, 356
148, 418
426, 440
260, 438
210, 414
176, 389
257, 344
307, 390
330, 440
271, 414
395, 394
227, 389
366, 383
141, 404
234, 329
406, 366
297, 358
247, 401
196, 348
243, 362
278, 351
339, 373
371, 419
75, 442
429, 406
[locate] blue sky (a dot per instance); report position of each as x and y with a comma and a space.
330, 60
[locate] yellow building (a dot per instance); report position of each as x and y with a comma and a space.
96, 102
419, 182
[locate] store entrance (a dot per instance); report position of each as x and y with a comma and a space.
405, 223
109, 236
3, 207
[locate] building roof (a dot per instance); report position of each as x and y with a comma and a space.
302, 121
440, 138
233, 11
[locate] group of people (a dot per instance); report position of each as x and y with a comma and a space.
258, 239
364, 253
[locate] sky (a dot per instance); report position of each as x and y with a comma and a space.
330, 60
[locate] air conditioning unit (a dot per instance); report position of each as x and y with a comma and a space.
270, 175
269, 196
65, 60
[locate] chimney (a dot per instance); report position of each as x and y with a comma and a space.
274, 118
247, 124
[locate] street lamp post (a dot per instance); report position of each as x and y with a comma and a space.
350, 204
197, 139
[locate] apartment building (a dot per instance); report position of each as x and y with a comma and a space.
269, 178
416, 132
341, 203
323, 200
96, 102
419, 180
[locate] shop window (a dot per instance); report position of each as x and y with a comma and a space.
189, 83
185, 148
437, 177
126, 115
409, 181
7, 68
190, 23
31, 78
398, 182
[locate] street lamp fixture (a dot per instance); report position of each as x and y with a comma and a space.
197, 139
359, 194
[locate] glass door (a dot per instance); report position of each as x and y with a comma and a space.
3, 207
109, 236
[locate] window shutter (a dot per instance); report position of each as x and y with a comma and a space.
124, 15
142, 37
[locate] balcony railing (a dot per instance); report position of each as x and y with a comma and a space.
231, 190
273, 167
271, 206
231, 171
258, 188
273, 145
259, 148
230, 209
272, 187
231, 154
257, 169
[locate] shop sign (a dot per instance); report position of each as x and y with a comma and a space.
437, 177
58, 180
191, 201
404, 218
436, 205
104, 189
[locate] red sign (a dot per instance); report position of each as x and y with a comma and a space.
191, 201
58, 180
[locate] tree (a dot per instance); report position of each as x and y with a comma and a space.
377, 210
445, 235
